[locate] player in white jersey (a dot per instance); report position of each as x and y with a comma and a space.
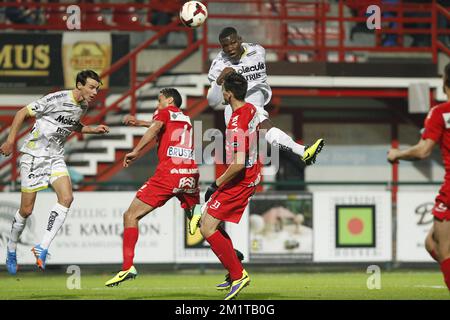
42, 158
249, 60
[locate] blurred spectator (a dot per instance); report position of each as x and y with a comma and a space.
22, 14
419, 39
390, 39
163, 12
443, 23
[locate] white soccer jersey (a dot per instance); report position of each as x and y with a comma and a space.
57, 116
252, 65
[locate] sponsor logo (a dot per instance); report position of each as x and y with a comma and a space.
63, 133
256, 67
179, 190
51, 220
56, 96
184, 171
33, 175
178, 152
251, 53
22, 60
67, 121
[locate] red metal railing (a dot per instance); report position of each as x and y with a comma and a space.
285, 12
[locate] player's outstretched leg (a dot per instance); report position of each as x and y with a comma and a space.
226, 284
122, 276
41, 255
238, 285
311, 152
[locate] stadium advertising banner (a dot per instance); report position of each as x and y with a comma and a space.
414, 221
86, 50
92, 232
352, 226
195, 249
281, 228
30, 60
49, 60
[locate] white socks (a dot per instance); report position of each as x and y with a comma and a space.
280, 139
55, 222
16, 230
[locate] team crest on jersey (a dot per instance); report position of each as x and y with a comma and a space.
186, 183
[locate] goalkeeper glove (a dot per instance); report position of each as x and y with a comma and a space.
211, 189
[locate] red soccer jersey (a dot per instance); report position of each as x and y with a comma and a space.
437, 128
241, 135
175, 141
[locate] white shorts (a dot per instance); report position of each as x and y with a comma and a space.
257, 99
37, 172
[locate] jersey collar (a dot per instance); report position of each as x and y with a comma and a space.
73, 98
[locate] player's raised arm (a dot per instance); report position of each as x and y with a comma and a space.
421, 150
7, 147
149, 135
214, 95
132, 121
100, 129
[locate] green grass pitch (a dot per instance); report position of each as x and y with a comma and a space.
409, 285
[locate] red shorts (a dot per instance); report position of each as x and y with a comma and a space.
441, 209
229, 204
164, 185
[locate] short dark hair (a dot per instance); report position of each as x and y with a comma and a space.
447, 76
82, 77
237, 84
172, 93
226, 32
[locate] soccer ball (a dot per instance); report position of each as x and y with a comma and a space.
193, 14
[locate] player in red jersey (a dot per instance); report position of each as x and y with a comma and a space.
176, 174
227, 198
437, 131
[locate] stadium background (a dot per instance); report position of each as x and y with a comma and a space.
361, 90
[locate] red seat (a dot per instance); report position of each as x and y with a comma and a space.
95, 18
126, 16
56, 17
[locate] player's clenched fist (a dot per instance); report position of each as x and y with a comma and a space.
6, 148
130, 120
101, 129
222, 75
392, 156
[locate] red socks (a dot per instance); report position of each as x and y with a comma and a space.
223, 248
130, 237
445, 268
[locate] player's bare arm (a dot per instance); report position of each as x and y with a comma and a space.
7, 147
100, 129
148, 137
132, 121
236, 166
421, 150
